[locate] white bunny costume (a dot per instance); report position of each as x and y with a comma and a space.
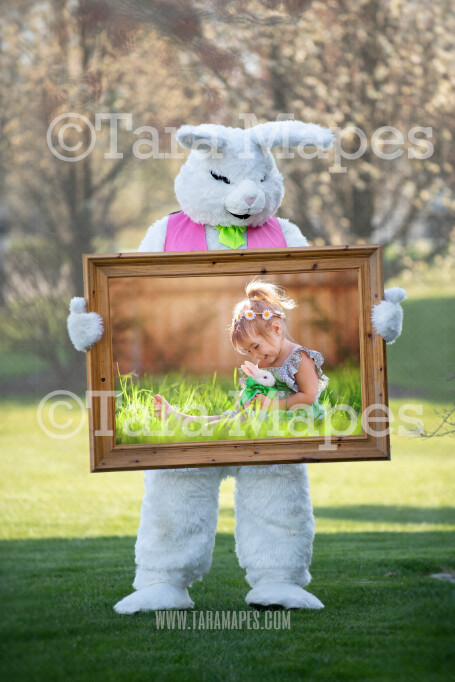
229, 179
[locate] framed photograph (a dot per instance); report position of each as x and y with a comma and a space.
168, 388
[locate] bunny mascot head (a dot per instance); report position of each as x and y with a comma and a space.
230, 177
228, 189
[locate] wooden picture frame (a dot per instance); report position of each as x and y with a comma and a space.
107, 455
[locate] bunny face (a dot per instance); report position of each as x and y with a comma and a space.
230, 176
230, 190
260, 375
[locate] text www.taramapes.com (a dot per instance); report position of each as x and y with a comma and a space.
223, 620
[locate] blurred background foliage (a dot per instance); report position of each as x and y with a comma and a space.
368, 63
383, 528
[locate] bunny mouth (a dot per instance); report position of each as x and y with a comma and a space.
244, 216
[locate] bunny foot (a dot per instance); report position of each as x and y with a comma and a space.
157, 597
289, 595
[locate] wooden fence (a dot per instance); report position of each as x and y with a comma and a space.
164, 324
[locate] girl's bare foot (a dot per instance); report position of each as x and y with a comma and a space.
161, 406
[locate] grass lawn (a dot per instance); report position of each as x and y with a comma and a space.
67, 542
18, 364
422, 361
67, 557
135, 421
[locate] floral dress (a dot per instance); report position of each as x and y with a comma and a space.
286, 374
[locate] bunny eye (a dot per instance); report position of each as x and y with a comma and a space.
264, 178
223, 178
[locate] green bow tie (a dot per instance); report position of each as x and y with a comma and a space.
232, 235
252, 388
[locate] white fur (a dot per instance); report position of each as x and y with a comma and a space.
292, 234
395, 294
215, 139
274, 518
274, 529
155, 236
241, 156
78, 305
84, 329
261, 376
275, 524
289, 595
212, 202
157, 597
387, 316
292, 134
387, 319
177, 529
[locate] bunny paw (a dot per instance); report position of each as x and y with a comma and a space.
387, 316
84, 329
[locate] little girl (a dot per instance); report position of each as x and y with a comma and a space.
258, 329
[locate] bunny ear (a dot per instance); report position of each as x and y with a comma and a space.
200, 138
291, 134
248, 370
251, 365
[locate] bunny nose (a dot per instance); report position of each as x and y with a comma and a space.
250, 200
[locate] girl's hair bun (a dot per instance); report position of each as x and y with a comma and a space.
262, 297
258, 290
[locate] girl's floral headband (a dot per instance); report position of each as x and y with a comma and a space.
250, 315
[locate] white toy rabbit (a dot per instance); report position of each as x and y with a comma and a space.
260, 376
259, 381
229, 190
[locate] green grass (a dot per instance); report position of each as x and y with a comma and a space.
67, 543
67, 556
421, 362
19, 364
136, 422
421, 279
